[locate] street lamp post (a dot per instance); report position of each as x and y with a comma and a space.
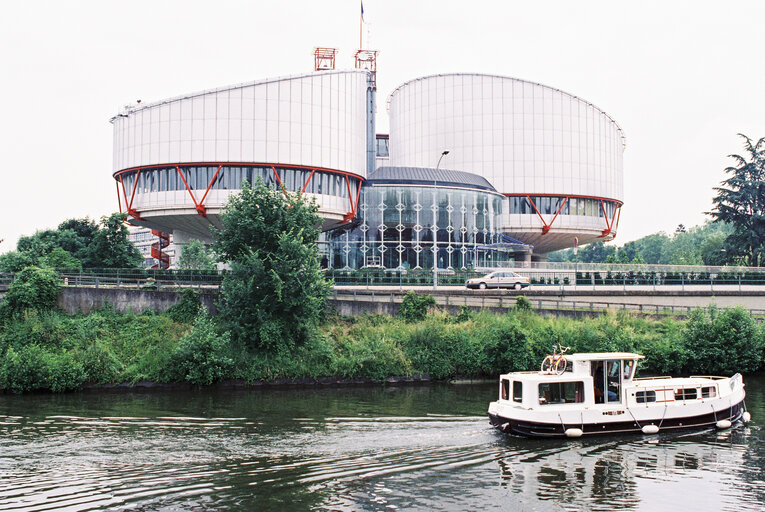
435, 232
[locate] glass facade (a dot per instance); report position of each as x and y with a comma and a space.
231, 178
549, 205
405, 227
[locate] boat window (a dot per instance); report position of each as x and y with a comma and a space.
685, 394
708, 392
599, 381
505, 391
614, 381
642, 397
628, 367
517, 391
607, 381
561, 393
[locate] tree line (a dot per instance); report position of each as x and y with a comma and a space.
76, 244
735, 234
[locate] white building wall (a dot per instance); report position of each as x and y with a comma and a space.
313, 120
521, 136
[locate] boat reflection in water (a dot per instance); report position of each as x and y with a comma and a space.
700, 470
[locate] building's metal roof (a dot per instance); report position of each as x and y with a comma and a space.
573, 96
427, 176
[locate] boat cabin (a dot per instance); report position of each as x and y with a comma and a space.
589, 379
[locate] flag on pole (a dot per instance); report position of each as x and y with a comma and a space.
362, 10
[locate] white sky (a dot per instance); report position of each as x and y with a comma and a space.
680, 77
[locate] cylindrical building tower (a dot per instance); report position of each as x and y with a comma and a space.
177, 161
557, 158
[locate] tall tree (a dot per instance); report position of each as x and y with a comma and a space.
195, 257
275, 291
740, 201
111, 247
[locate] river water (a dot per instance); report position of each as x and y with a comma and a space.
394, 448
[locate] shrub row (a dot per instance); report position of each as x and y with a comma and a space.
57, 352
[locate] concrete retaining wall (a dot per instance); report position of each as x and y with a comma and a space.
367, 307
84, 300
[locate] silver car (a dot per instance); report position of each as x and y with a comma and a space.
499, 279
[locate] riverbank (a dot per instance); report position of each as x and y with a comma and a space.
59, 352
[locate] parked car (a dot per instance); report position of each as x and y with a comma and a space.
499, 279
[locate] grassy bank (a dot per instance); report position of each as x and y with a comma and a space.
58, 352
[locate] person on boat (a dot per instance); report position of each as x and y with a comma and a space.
600, 383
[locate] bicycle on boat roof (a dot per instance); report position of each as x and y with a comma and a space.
556, 362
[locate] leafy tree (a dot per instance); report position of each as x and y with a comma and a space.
15, 261
111, 247
596, 252
76, 236
195, 257
740, 201
713, 249
59, 258
275, 291
40, 244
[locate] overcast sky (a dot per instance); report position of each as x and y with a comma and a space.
680, 77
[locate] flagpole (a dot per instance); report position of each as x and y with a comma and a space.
361, 24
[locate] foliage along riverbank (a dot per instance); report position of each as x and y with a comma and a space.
58, 352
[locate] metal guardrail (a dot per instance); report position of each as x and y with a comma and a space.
484, 301
101, 281
593, 275
625, 267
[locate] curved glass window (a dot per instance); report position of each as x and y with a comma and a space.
231, 178
550, 205
407, 227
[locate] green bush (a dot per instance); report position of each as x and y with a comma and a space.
414, 308
99, 364
32, 368
203, 355
186, 309
464, 315
429, 348
374, 356
723, 341
507, 348
34, 288
523, 304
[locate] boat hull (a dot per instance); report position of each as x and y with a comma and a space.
543, 429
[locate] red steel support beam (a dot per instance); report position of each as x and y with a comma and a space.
307, 181
209, 186
545, 226
200, 208
560, 208
358, 195
609, 225
199, 205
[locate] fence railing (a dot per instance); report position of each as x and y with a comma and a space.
509, 301
138, 281
602, 275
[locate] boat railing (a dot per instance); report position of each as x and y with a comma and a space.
653, 378
711, 377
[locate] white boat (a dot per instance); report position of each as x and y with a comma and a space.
597, 393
